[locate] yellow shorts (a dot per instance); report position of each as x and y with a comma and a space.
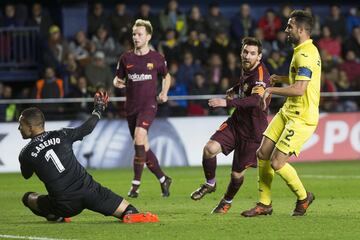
288, 134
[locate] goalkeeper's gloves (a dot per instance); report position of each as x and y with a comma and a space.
101, 100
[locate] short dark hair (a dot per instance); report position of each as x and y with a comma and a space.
303, 19
252, 42
33, 116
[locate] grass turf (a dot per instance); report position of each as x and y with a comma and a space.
334, 214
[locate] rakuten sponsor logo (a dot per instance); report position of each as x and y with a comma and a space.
139, 77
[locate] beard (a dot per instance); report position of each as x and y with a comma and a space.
247, 65
293, 40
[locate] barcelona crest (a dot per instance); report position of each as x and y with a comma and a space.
150, 66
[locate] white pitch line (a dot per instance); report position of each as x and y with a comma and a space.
29, 237
331, 176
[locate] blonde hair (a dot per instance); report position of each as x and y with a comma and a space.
144, 23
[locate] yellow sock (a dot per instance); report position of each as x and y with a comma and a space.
289, 174
266, 175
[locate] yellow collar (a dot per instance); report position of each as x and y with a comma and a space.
303, 44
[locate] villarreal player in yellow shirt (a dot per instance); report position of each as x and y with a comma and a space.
296, 121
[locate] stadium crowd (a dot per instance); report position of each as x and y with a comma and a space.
201, 46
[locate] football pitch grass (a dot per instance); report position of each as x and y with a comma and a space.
335, 214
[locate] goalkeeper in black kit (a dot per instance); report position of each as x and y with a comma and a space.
70, 188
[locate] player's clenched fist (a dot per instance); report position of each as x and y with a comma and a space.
162, 98
118, 83
101, 100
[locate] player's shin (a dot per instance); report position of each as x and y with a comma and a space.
139, 161
233, 188
265, 177
209, 166
153, 164
290, 176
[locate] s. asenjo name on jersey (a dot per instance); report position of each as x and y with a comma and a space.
139, 77
41, 146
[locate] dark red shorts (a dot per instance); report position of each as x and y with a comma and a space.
143, 119
244, 151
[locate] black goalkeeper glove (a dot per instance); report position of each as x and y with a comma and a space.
101, 100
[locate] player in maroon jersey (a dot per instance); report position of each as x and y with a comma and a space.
242, 131
138, 71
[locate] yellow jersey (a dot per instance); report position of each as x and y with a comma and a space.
305, 66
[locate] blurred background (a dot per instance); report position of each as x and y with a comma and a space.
56, 54
69, 49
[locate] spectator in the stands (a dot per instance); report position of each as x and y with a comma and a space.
316, 28
96, 18
215, 21
49, 86
242, 24
336, 22
351, 67
105, 43
266, 45
7, 111
232, 68
73, 70
40, 18
276, 64
346, 103
172, 18
221, 45
329, 43
352, 43
327, 104
80, 110
170, 47
99, 73
121, 22
213, 72
200, 87
195, 20
282, 45
195, 46
187, 69
353, 19
145, 13
285, 11
57, 49
177, 107
270, 24
9, 19
82, 47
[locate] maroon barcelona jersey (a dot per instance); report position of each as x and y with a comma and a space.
249, 119
141, 75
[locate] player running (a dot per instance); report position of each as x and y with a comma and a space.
70, 188
296, 121
242, 131
140, 68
